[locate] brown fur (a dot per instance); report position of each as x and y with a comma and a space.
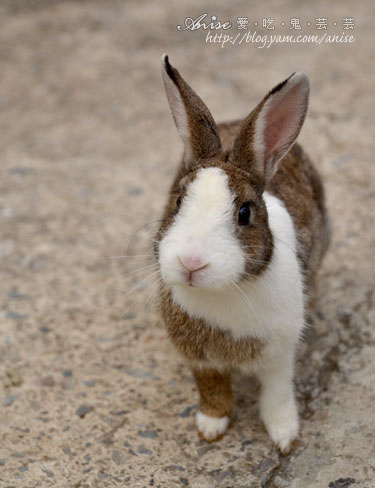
296, 183
201, 343
202, 124
215, 392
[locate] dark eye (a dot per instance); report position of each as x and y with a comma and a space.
244, 214
178, 202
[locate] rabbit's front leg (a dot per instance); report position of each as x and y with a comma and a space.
278, 408
215, 404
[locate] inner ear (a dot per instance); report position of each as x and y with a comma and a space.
270, 130
282, 120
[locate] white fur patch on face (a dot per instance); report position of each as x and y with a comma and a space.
269, 307
211, 427
200, 248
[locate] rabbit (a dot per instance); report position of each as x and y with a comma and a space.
243, 234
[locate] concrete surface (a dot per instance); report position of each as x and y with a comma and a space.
92, 393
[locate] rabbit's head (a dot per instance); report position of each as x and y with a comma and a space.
216, 231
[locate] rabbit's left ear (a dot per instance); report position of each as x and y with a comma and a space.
193, 120
270, 130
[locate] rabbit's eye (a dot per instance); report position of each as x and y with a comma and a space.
244, 214
178, 202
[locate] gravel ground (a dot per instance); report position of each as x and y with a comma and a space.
92, 393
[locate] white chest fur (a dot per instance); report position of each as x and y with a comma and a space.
270, 305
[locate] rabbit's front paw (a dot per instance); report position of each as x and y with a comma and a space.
282, 426
211, 428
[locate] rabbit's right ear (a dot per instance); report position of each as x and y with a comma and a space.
193, 120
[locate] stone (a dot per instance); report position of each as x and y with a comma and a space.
280, 482
345, 314
144, 450
47, 471
10, 399
118, 457
45, 330
12, 378
83, 410
267, 464
341, 483
187, 411
148, 434
11, 314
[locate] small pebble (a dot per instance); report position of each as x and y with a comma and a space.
18, 455
266, 464
12, 378
67, 373
84, 410
86, 460
134, 190
186, 413
345, 314
148, 434
3, 461
341, 483
48, 472
120, 412
144, 450
320, 315
128, 316
173, 467
140, 374
9, 400
118, 457
15, 315
21, 170
280, 482
14, 293
89, 383
22, 469
44, 330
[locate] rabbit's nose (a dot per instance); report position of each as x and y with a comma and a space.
192, 263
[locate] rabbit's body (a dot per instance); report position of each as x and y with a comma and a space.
232, 296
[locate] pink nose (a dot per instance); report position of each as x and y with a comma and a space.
192, 263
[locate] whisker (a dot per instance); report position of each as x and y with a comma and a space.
247, 301
150, 266
155, 289
131, 256
256, 261
135, 301
139, 229
140, 283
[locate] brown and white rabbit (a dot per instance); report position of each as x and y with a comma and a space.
243, 235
